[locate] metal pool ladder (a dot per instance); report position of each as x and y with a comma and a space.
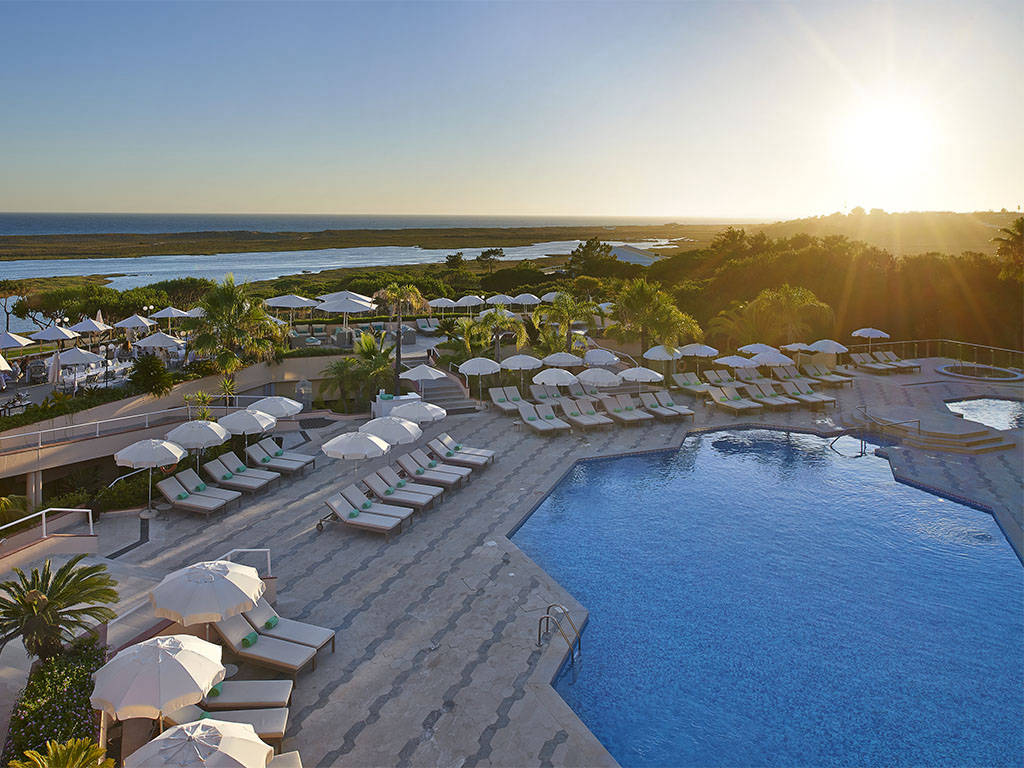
544, 624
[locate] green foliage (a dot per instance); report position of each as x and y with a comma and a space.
12, 507
454, 260
563, 312
498, 324
199, 369
75, 753
149, 376
511, 279
1011, 249
46, 609
55, 703
128, 493
75, 499
466, 338
489, 256
61, 405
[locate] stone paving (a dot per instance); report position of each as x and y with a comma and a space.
436, 661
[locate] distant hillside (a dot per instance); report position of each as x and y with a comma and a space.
904, 233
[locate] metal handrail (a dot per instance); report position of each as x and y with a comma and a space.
885, 423
239, 550
549, 618
43, 512
575, 629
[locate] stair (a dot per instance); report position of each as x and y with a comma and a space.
448, 394
935, 432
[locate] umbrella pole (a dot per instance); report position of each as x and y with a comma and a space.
149, 504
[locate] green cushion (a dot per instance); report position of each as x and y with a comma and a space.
250, 640
629, 407
206, 715
458, 446
670, 404
419, 470
616, 410
279, 452
389, 491
265, 459
515, 399
531, 418
542, 397
449, 453
549, 417
501, 400
400, 483
215, 691
431, 463
239, 469
574, 413
367, 504
387, 397
200, 488
226, 476
354, 513
183, 495
591, 413
270, 623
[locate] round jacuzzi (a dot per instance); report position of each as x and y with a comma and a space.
979, 372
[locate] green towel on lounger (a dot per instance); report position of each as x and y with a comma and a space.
419, 470
549, 417
354, 513
279, 452
400, 483
431, 464
215, 691
250, 640
449, 453
226, 476
239, 469
367, 504
200, 488
183, 495
265, 459
270, 623
389, 491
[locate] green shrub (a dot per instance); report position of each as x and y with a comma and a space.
62, 405
76, 499
150, 376
55, 703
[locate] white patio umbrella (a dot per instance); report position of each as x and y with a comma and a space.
468, 301
773, 357
196, 312
146, 454
753, 349
346, 295
599, 357
156, 676
663, 353
159, 340
422, 373
247, 421
563, 359
90, 326
500, 298
207, 591
76, 356
697, 350
734, 361
492, 310
290, 301
862, 333
521, 363
555, 377
277, 406
168, 314
13, 341
598, 377
206, 743
54, 333
828, 346
345, 306
135, 322
198, 434
442, 302
797, 346
5, 367
393, 430
526, 300
606, 306
355, 445
641, 376
419, 412
479, 366
550, 296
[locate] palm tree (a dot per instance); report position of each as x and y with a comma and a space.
637, 304
498, 323
1011, 248
466, 338
670, 326
790, 312
340, 376
13, 507
374, 357
398, 298
735, 326
549, 341
45, 609
235, 327
564, 311
75, 753
227, 389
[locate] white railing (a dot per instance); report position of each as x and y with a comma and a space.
43, 513
948, 348
263, 550
88, 430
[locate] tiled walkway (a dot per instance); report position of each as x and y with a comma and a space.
436, 660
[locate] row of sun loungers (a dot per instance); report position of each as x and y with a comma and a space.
385, 501
883, 362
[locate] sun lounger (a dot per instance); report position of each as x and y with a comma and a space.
450, 443
588, 408
632, 408
750, 375
239, 636
790, 391
551, 419
358, 500
823, 375
501, 401
426, 462
652, 406
392, 495
428, 476
689, 383
578, 390
512, 393
176, 495
867, 363
236, 465
424, 327
761, 392
249, 694
393, 480
720, 377
270, 445
665, 401
887, 356
269, 724
267, 622
219, 473
720, 400
802, 391
734, 396
532, 419
261, 458
539, 393
614, 411
192, 483
446, 454
286, 760
570, 411
345, 513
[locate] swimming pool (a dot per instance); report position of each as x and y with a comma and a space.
993, 412
757, 599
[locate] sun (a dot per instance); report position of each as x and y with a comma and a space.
885, 147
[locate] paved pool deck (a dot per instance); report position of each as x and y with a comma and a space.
436, 661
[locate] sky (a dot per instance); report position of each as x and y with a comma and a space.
699, 109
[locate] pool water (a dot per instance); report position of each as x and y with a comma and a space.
992, 412
757, 599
